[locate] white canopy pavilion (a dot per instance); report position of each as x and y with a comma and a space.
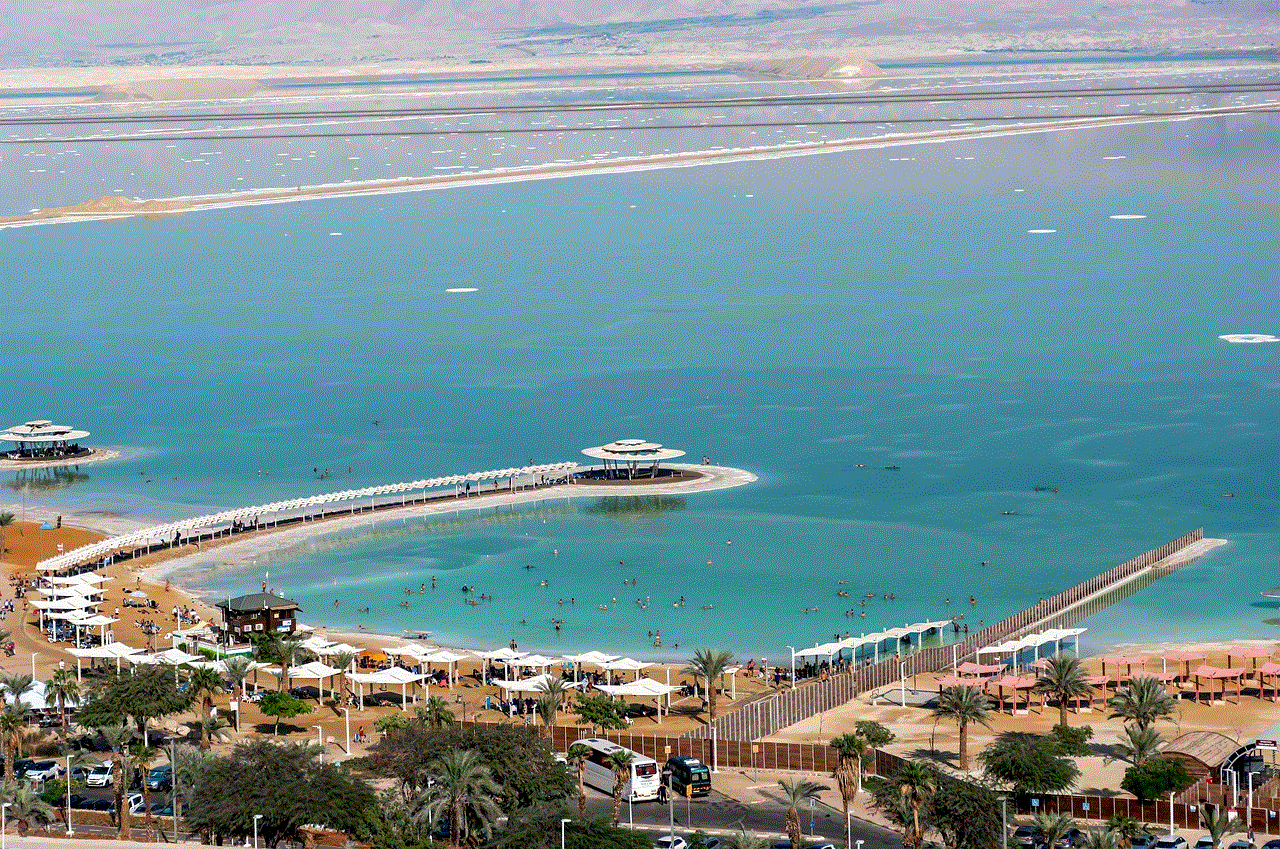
42, 438
393, 675
626, 664
625, 457
106, 652
642, 688
593, 657
536, 684
1013, 648
447, 657
317, 670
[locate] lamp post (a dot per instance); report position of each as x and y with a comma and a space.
69, 831
346, 747
1171, 812
902, 671
320, 740
1004, 821
562, 825
256, 817
793, 666
173, 793
4, 814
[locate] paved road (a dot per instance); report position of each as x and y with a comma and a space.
761, 808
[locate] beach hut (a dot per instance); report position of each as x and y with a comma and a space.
1202, 752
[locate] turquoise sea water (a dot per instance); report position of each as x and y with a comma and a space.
795, 317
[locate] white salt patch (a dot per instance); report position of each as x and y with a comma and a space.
461, 289
1127, 217
1249, 338
1042, 231
1019, 190
335, 234
1112, 157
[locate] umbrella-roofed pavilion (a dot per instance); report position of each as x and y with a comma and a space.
632, 458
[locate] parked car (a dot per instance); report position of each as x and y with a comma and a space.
1241, 844
161, 778
1142, 841
1205, 842
1271, 844
80, 773
42, 770
20, 766
1025, 835
786, 844
1171, 841
1073, 838
668, 841
167, 810
101, 775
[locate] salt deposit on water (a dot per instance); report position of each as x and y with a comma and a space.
1126, 217
458, 289
1249, 338
1042, 231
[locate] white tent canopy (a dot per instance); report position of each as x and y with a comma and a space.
393, 675
642, 688
536, 684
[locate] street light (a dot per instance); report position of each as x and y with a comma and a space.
320, 740
256, 817
69, 831
793, 666
562, 825
346, 747
902, 671
1171, 792
1004, 821
4, 813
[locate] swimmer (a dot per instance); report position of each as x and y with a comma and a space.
984, 563
892, 597
972, 600
335, 602
560, 602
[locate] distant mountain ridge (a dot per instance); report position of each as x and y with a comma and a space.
167, 32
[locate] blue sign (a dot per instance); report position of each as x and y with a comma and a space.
1035, 803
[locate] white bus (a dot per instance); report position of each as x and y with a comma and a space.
643, 784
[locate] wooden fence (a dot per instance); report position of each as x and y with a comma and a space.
1185, 814
765, 716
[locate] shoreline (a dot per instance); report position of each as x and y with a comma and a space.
98, 455
117, 207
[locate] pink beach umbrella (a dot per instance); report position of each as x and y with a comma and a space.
1185, 658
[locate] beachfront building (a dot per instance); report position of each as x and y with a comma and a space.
258, 613
44, 440
628, 459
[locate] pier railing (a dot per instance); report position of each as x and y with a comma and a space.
296, 510
765, 716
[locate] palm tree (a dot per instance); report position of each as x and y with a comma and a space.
916, 784
15, 687
236, 670
61, 689
578, 755
11, 725
203, 686
288, 652
1138, 744
1125, 829
796, 792
963, 705
25, 806
436, 713
143, 758
547, 705
848, 772
215, 729
1050, 827
1063, 679
709, 665
1143, 700
118, 738
1101, 838
463, 789
620, 763
1218, 823
6, 519
750, 840
343, 660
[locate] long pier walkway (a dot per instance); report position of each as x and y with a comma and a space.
763, 717
472, 490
